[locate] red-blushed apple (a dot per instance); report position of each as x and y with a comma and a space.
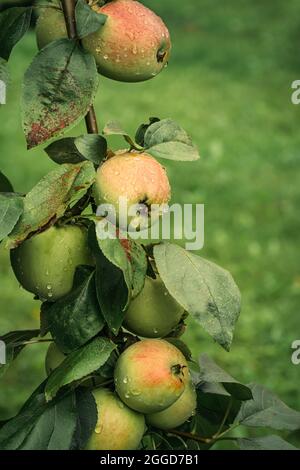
134, 179
154, 312
178, 413
45, 264
118, 427
133, 45
150, 375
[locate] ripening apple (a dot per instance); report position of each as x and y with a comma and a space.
118, 427
150, 375
132, 46
132, 183
178, 413
154, 312
45, 264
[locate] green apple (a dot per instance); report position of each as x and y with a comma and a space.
133, 45
132, 183
154, 312
151, 375
50, 26
118, 427
178, 413
45, 264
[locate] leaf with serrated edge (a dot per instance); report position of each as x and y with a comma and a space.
267, 410
78, 364
49, 199
58, 90
205, 290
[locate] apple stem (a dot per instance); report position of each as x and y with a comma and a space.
68, 7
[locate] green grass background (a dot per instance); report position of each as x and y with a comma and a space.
229, 84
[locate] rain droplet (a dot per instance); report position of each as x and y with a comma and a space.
47, 273
49, 287
50, 295
127, 395
105, 57
125, 380
136, 393
166, 293
155, 331
148, 63
134, 50
98, 429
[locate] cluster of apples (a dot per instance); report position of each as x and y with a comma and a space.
132, 46
152, 384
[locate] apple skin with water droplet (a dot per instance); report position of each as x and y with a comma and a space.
137, 178
118, 427
176, 414
45, 264
154, 312
132, 46
151, 375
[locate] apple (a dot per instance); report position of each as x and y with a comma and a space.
154, 312
45, 264
178, 413
118, 427
54, 358
133, 45
131, 182
150, 375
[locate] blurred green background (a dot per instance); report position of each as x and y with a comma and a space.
229, 84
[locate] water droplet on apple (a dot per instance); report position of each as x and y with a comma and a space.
155, 331
49, 287
134, 49
50, 294
125, 380
105, 57
127, 395
136, 393
153, 74
166, 293
98, 429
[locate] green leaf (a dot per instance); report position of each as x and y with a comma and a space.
5, 184
77, 149
214, 407
205, 290
166, 139
265, 443
13, 345
114, 128
14, 23
59, 88
267, 410
11, 208
76, 318
87, 417
212, 373
50, 198
140, 133
79, 364
88, 21
120, 275
41, 426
